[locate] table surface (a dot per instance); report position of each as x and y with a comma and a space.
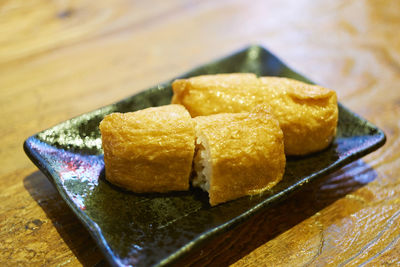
59, 59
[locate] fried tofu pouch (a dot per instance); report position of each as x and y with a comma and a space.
307, 114
150, 150
237, 154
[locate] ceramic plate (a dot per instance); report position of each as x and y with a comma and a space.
156, 229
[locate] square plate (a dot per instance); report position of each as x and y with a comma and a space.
157, 229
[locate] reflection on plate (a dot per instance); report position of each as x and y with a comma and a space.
156, 229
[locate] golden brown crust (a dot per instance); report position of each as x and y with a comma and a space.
246, 153
212, 94
308, 114
150, 150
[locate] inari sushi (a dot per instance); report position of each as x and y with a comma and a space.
237, 154
150, 150
307, 114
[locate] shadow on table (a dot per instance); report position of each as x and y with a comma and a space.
226, 248
64, 220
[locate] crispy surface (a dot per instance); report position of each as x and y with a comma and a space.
150, 150
246, 153
307, 114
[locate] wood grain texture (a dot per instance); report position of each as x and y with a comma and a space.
59, 59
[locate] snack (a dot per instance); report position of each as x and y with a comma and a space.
150, 150
307, 114
221, 93
237, 154
243, 127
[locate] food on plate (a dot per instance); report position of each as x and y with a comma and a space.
307, 114
150, 150
238, 154
234, 145
221, 93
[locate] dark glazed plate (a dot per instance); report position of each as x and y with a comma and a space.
157, 229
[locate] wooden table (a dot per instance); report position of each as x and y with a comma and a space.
59, 59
